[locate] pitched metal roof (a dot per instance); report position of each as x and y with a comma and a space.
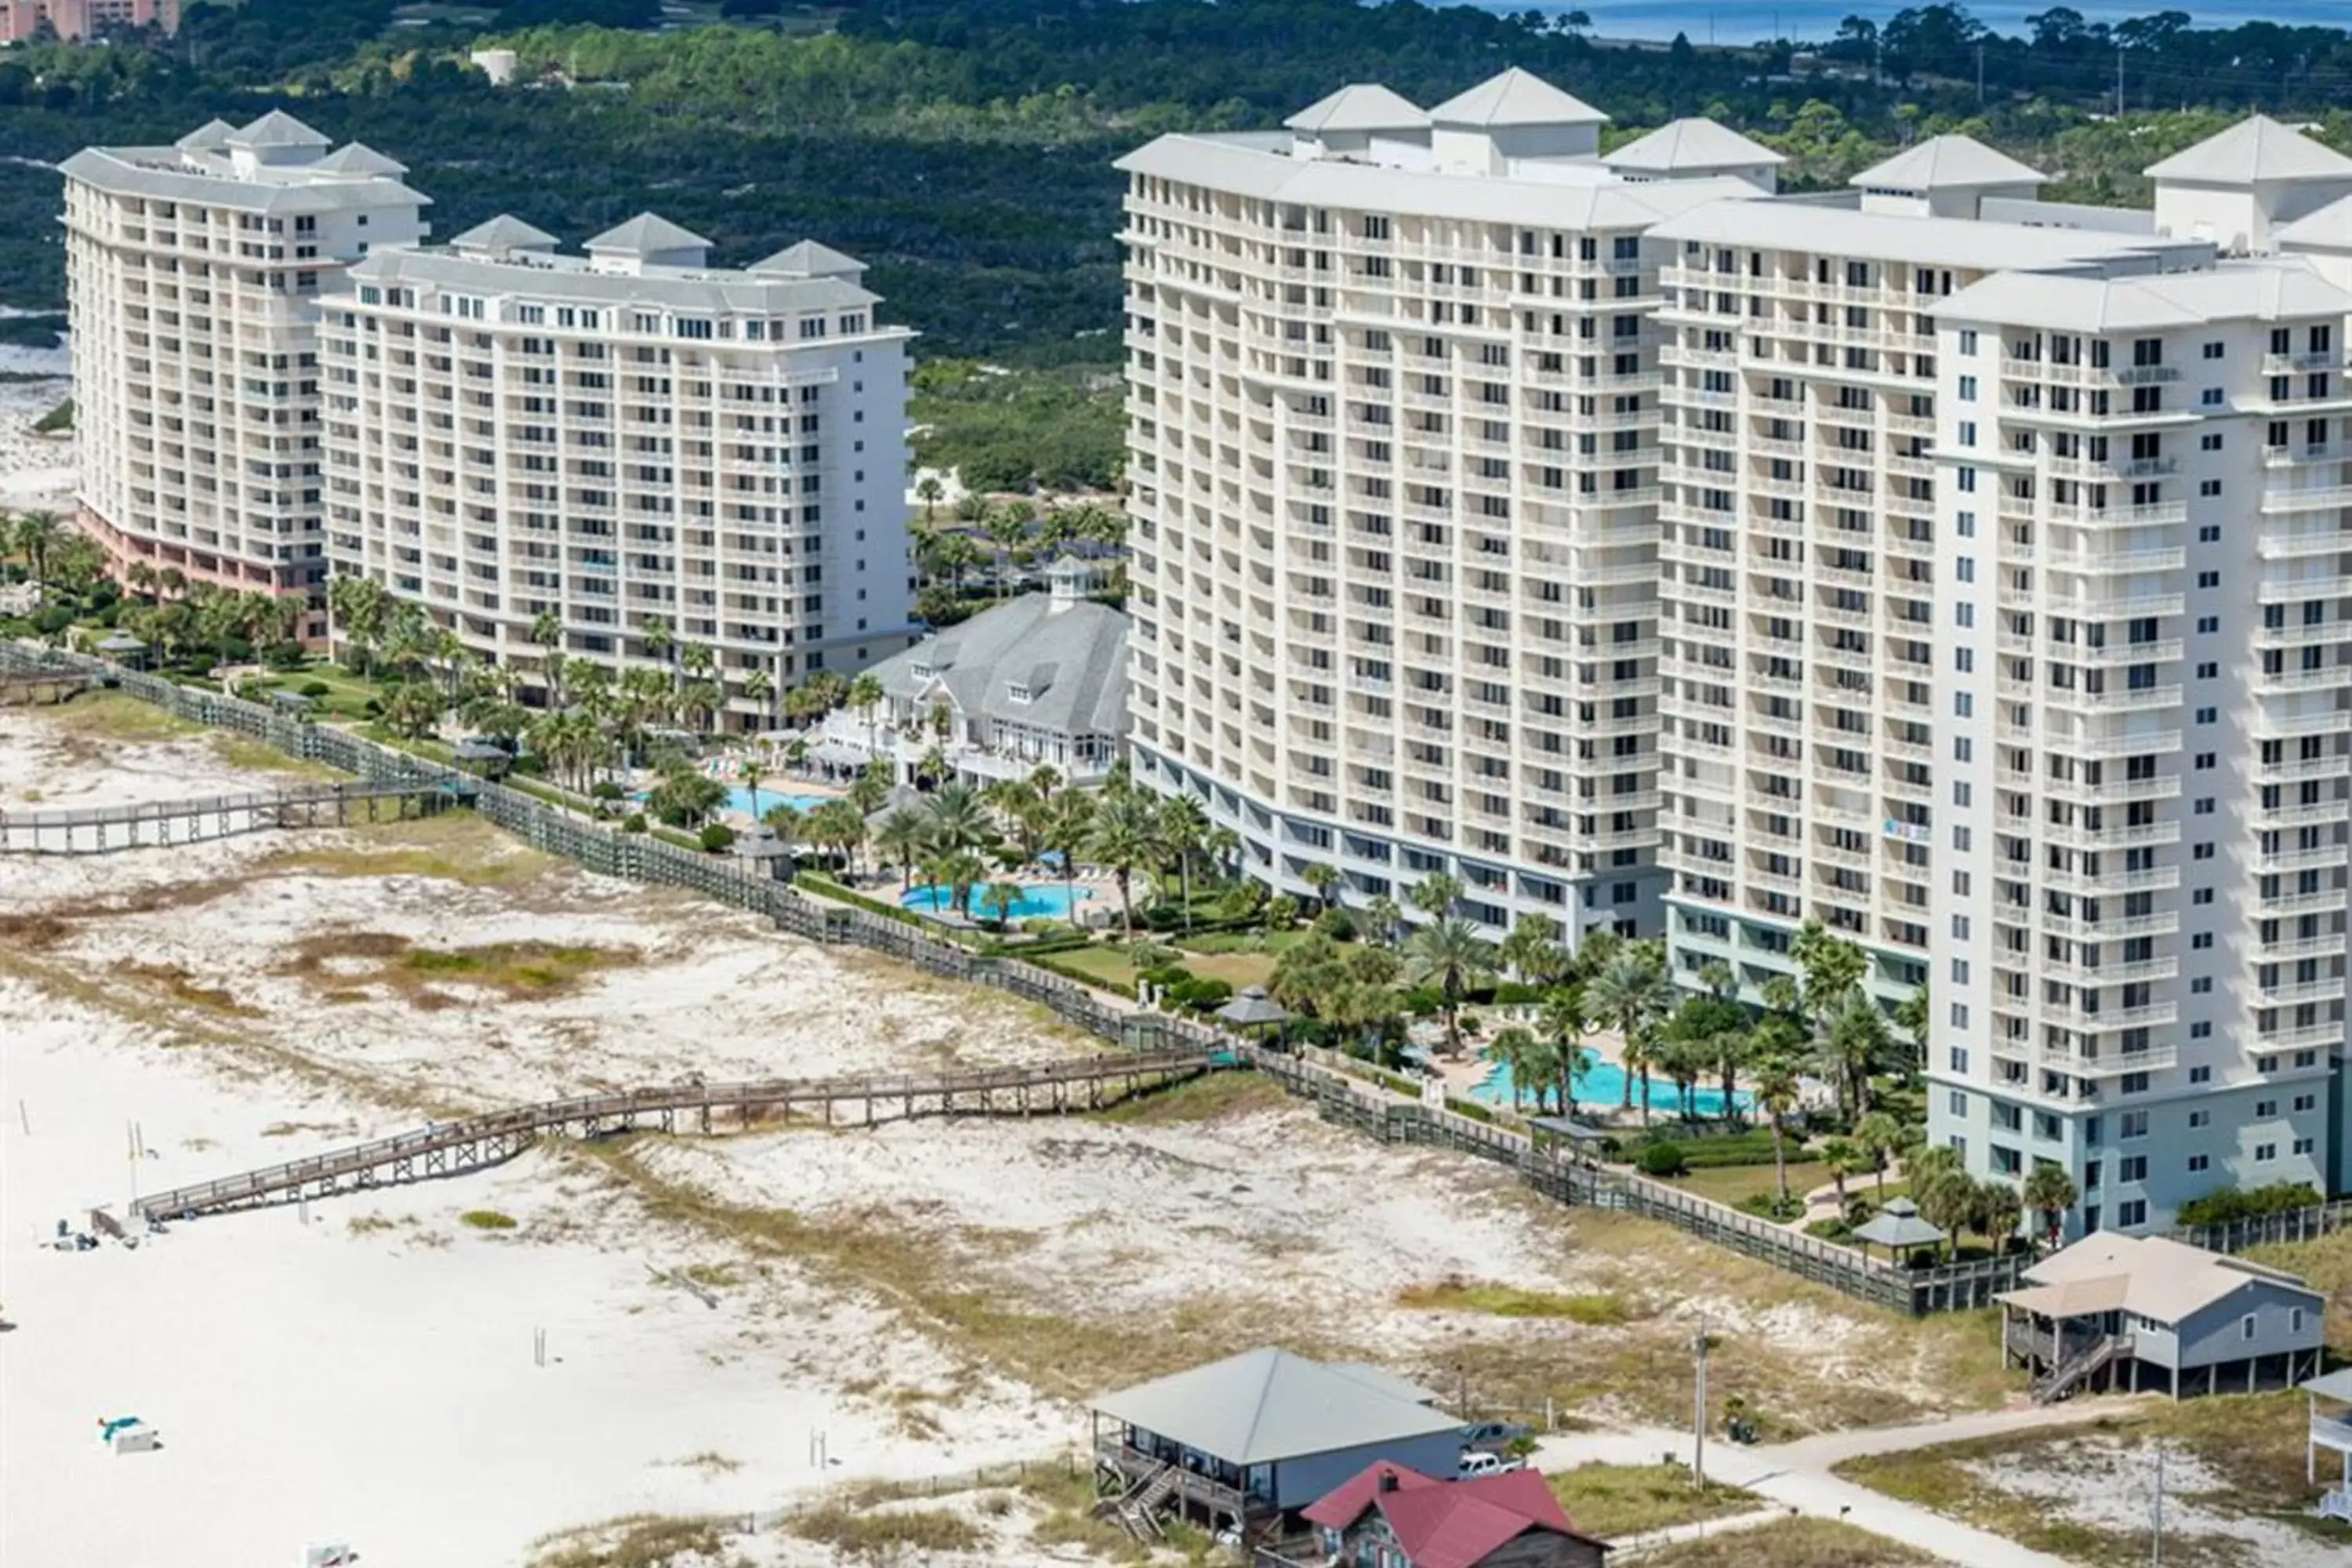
2151, 1276
2329, 228
168, 174
559, 276
212, 133
504, 232
1070, 656
359, 158
1360, 106
2256, 150
1772, 224
811, 259
646, 234
2266, 289
1265, 1405
1947, 163
276, 129
1515, 97
1446, 1524
1694, 143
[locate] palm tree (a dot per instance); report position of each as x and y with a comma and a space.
1449, 954
1008, 529
903, 835
1517, 1049
868, 791
1124, 835
2050, 1193
867, 696
1563, 1022
1844, 1157
998, 899
654, 633
1776, 1091
1531, 952
1183, 828
785, 822
1947, 1197
1382, 916
957, 819
141, 578
959, 871
1630, 992
1069, 826
1878, 1135
928, 490
2000, 1211
1435, 895
1323, 877
1913, 1016
1853, 1040
752, 773
761, 688
38, 536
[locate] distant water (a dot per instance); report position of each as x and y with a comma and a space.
1746, 21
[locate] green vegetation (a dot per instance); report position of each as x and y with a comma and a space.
2326, 1264
2232, 1204
637, 1540
1063, 429
487, 1219
892, 1534
1454, 1295
57, 421
1212, 1098
1616, 1500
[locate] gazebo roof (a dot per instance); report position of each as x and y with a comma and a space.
119, 642
1252, 1005
1568, 1127
762, 844
474, 749
1898, 1225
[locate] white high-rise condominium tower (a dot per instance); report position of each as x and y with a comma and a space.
625, 440
193, 273
1963, 571
1393, 457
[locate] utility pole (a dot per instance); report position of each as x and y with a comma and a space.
1699, 1407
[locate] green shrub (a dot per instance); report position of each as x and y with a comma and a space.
606, 789
51, 619
1338, 924
633, 823
717, 837
1511, 994
316, 688
1201, 995
487, 1219
1660, 1159
1769, 1206
1423, 1000
2246, 1203
1165, 975
1163, 917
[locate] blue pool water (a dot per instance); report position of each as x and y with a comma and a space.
1039, 900
740, 799
1603, 1083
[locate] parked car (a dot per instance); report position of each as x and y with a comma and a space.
1477, 1462
1492, 1435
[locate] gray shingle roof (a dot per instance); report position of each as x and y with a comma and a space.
159, 173
212, 133
1267, 1405
2268, 290
1360, 106
1515, 97
1071, 657
646, 234
2256, 150
570, 277
2152, 1276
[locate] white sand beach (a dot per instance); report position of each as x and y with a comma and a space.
35, 471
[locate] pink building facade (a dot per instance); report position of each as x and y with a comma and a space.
72, 20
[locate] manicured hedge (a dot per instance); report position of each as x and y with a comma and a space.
826, 887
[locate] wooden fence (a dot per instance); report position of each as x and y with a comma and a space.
1339, 1097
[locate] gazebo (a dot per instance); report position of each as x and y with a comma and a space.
1898, 1226
760, 846
477, 755
1252, 1008
122, 648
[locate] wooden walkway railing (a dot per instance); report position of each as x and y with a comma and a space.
451, 1147
1338, 1098
98, 830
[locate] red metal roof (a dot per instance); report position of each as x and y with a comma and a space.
1446, 1524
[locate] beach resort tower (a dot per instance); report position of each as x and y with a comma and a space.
657, 452
194, 273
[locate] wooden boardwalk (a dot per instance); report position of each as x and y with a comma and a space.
100, 830
449, 1148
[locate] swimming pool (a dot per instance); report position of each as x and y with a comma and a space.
740, 799
1603, 1083
1039, 900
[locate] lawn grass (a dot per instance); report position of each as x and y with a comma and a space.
1790, 1543
1456, 1295
1107, 964
1729, 1183
1614, 1500
1238, 970
2253, 1444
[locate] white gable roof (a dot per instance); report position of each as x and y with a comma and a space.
1695, 143
2256, 150
1947, 163
1360, 106
1515, 97
2271, 290
2329, 228
644, 234
278, 129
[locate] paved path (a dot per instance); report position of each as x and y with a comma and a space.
1797, 1475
